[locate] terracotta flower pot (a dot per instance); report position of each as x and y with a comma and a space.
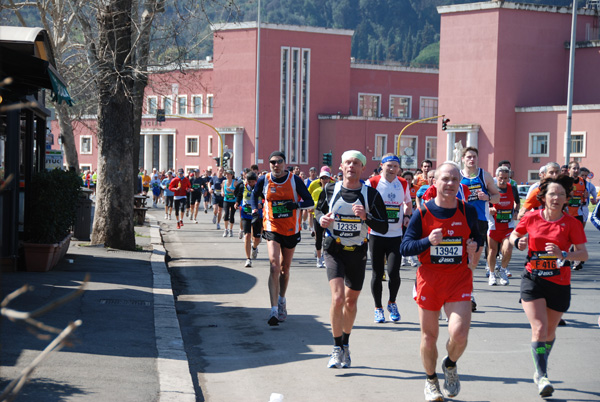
39, 257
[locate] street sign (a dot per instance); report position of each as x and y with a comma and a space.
54, 159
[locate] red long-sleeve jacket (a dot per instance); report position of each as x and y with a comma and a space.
180, 186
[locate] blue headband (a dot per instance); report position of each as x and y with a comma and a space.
392, 158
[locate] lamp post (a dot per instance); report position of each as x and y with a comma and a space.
570, 88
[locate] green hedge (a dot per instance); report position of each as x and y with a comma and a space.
53, 208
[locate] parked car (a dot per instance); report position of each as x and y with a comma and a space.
523, 189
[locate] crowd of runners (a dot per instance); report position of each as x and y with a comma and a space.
446, 218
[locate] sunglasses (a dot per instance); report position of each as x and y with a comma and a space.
276, 161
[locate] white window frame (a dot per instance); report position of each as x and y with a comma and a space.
530, 148
210, 145
430, 157
148, 110
421, 107
410, 103
186, 104
81, 138
210, 103
187, 150
167, 112
85, 166
377, 156
190, 168
579, 154
378, 104
533, 173
193, 110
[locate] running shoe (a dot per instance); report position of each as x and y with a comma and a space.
230, 232
508, 274
335, 361
492, 279
214, 218
218, 226
273, 321
170, 217
254, 253
178, 225
577, 265
181, 223
346, 360
281, 311
413, 261
473, 304
545, 387
320, 263
225, 233
241, 234
166, 216
536, 377
394, 313
451, 380
195, 221
432, 390
304, 225
187, 213
379, 316
312, 233
503, 277
487, 271
205, 211
248, 263
404, 262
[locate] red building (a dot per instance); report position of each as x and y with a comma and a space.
313, 99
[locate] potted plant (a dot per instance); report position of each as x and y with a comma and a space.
50, 214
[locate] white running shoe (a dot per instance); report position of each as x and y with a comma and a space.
230, 232
346, 360
219, 227
503, 277
166, 216
451, 380
281, 310
492, 279
254, 253
195, 221
248, 263
336, 358
241, 234
508, 274
320, 263
404, 262
214, 218
413, 261
545, 387
432, 390
225, 233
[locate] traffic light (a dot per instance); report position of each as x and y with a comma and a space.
327, 158
160, 114
445, 124
226, 158
218, 160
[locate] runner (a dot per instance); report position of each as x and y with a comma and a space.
592, 194
395, 192
281, 191
207, 195
229, 203
483, 191
180, 186
545, 283
421, 178
315, 191
168, 194
578, 196
215, 186
413, 190
498, 234
532, 202
444, 233
155, 185
346, 210
252, 223
307, 214
198, 188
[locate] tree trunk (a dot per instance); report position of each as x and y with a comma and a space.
113, 221
68, 139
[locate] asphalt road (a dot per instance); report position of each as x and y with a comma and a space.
235, 356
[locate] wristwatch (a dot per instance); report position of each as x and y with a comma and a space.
564, 255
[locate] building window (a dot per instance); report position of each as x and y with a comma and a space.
369, 105
85, 144
182, 104
429, 107
538, 144
294, 93
430, 148
197, 104
85, 168
152, 105
408, 151
533, 176
380, 146
191, 145
400, 106
168, 105
210, 145
209, 103
190, 169
578, 141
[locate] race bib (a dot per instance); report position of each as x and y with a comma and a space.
279, 209
347, 226
393, 213
575, 201
449, 251
474, 189
541, 260
195, 186
247, 209
504, 215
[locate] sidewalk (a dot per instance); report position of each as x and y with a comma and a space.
129, 347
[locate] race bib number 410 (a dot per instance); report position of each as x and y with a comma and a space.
449, 251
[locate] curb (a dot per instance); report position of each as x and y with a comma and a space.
174, 377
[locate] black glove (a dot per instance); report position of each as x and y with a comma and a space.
291, 205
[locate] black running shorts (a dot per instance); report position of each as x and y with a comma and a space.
349, 265
248, 227
558, 297
285, 241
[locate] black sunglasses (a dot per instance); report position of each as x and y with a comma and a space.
276, 161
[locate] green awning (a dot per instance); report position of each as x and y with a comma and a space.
59, 89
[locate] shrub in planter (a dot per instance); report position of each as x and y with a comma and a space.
53, 207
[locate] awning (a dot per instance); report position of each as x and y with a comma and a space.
59, 88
